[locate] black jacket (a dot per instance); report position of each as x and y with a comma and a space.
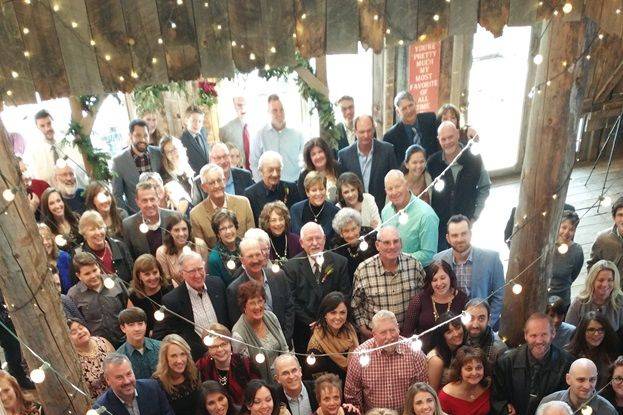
301, 180
283, 306
309, 386
511, 380
197, 157
121, 258
242, 180
178, 301
426, 126
258, 196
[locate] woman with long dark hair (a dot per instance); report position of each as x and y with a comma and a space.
414, 169
318, 157
98, 197
61, 220
214, 399
351, 194
445, 342
261, 399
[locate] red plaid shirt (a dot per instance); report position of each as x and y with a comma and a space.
384, 382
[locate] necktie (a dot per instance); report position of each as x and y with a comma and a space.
247, 146
54, 153
201, 143
317, 272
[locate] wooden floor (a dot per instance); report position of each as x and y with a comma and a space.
489, 230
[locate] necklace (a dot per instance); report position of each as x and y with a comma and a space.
435, 313
350, 252
312, 211
222, 376
285, 249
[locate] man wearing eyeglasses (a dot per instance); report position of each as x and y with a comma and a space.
200, 299
213, 184
582, 378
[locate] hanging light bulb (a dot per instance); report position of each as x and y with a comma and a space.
606, 201
61, 163
364, 359
143, 227
403, 217
587, 410
363, 245
98, 411
439, 185
275, 267
187, 250
260, 358
319, 259
159, 314
109, 283
567, 8
563, 249
517, 288
311, 359
8, 195
208, 340
474, 148
465, 317
416, 345
38, 375
231, 264
101, 198
538, 59
60, 240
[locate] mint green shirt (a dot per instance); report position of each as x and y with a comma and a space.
419, 234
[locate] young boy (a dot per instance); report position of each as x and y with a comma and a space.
142, 351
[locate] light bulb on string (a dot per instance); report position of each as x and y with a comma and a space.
403, 217
606, 201
143, 227
159, 314
208, 340
465, 317
416, 345
587, 410
231, 264
61, 163
187, 250
319, 259
563, 249
517, 288
311, 359
363, 245
109, 283
60, 240
98, 411
275, 267
9, 195
364, 359
538, 59
474, 148
260, 358
567, 8
439, 185
38, 375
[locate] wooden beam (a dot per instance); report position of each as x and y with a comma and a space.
389, 86
372, 24
278, 24
494, 15
463, 17
212, 25
402, 19
32, 300
446, 69
311, 27
342, 26
522, 13
247, 39
432, 21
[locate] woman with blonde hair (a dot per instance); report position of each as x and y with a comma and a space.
422, 399
602, 293
147, 287
177, 375
15, 401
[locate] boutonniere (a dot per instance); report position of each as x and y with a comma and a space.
327, 272
285, 195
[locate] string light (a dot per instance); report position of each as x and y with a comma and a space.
401, 42
474, 148
601, 36
74, 24
14, 74
208, 340
538, 59
9, 195
134, 75
416, 345
27, 54
364, 359
275, 267
586, 410
25, 31
160, 41
231, 264
273, 49
159, 314
517, 288
180, 2
260, 358
436, 17
233, 43
56, 7
606, 201
97, 411
403, 218
187, 250
311, 359
465, 317
109, 283
304, 16
252, 56
60, 240
567, 8
376, 17
563, 249
173, 25
38, 375
266, 67
363, 245
92, 42
143, 227
107, 57
439, 185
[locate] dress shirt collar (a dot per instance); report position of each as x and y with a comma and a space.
469, 259
152, 226
360, 154
214, 207
192, 291
300, 397
124, 402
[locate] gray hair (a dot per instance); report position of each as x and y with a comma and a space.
185, 256
547, 408
151, 175
446, 124
218, 145
114, 359
308, 226
394, 174
267, 156
258, 234
209, 168
402, 95
247, 242
381, 411
343, 217
281, 358
382, 315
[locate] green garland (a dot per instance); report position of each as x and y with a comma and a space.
97, 159
321, 102
148, 98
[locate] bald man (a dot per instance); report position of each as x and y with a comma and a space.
582, 378
386, 281
313, 274
467, 182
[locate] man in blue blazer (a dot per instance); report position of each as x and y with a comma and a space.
195, 138
369, 159
479, 272
128, 165
413, 128
144, 396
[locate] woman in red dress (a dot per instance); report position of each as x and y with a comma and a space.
470, 386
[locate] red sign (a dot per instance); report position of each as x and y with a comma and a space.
424, 67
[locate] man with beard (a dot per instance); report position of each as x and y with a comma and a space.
65, 183
481, 335
582, 378
128, 165
384, 380
525, 375
128, 395
479, 272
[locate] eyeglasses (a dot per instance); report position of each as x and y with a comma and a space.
593, 330
218, 346
617, 379
194, 270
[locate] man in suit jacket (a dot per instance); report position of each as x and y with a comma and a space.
154, 217
276, 286
479, 272
195, 138
213, 183
145, 396
293, 390
346, 128
200, 299
312, 277
369, 159
413, 128
271, 188
236, 131
128, 165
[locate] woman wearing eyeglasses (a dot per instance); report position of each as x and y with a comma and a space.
614, 392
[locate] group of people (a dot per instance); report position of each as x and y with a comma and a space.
274, 275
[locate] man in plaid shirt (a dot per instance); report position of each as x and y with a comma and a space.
383, 382
387, 281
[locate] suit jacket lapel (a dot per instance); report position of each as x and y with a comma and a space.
375, 162
141, 237
355, 156
185, 305
193, 142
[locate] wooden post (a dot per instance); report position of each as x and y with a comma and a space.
321, 75
546, 168
32, 299
87, 122
389, 86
